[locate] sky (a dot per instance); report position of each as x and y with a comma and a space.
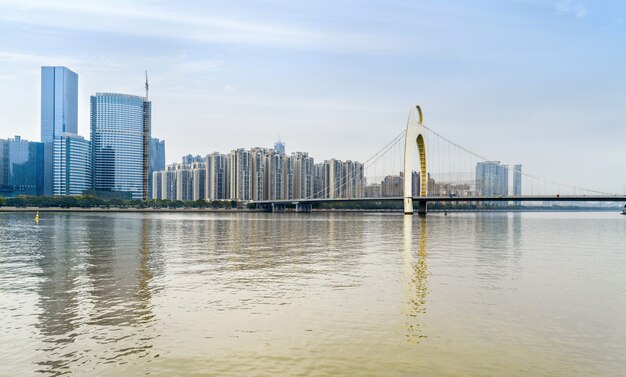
536, 82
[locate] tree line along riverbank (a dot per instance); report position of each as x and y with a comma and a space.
87, 202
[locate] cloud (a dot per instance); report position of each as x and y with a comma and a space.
569, 6
143, 19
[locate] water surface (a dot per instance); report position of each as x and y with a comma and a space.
491, 294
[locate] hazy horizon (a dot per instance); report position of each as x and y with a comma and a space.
540, 83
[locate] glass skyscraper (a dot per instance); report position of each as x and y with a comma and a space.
21, 167
72, 165
59, 102
156, 160
117, 138
59, 113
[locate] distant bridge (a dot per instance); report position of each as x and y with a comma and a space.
447, 155
305, 205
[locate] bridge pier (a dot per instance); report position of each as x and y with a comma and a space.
277, 207
408, 206
303, 208
422, 207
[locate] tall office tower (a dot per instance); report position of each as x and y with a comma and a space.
59, 102
303, 172
72, 165
156, 156
517, 182
240, 175
59, 113
118, 139
21, 167
492, 178
279, 147
217, 177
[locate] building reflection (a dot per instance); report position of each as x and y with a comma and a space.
96, 292
415, 277
59, 317
498, 245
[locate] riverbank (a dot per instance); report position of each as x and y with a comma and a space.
247, 210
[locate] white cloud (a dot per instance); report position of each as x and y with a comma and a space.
145, 20
569, 6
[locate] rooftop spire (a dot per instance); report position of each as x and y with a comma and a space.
146, 85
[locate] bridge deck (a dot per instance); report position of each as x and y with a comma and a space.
521, 198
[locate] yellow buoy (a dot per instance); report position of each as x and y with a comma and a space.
37, 217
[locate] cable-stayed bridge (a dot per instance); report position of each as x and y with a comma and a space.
420, 165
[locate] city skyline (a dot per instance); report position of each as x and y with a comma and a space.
230, 76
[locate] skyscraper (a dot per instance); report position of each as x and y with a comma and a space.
21, 167
156, 159
279, 147
492, 178
117, 137
72, 165
59, 114
59, 102
517, 182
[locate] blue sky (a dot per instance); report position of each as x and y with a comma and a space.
537, 82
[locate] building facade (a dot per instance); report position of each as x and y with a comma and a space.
59, 102
258, 174
492, 178
21, 167
59, 114
117, 137
72, 165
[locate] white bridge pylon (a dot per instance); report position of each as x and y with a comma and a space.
415, 141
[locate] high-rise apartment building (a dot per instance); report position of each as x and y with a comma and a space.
217, 177
258, 174
240, 174
257, 165
117, 137
72, 165
198, 181
303, 170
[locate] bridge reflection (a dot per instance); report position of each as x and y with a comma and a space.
415, 277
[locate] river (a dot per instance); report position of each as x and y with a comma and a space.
321, 294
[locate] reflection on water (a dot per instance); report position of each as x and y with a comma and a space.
94, 291
416, 271
317, 294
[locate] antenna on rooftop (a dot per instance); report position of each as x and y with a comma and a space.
146, 85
